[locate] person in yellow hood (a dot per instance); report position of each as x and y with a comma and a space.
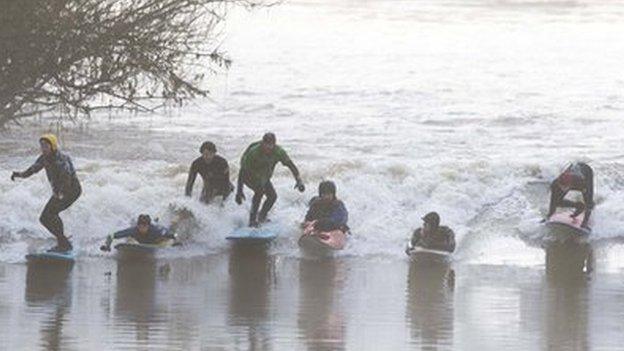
65, 187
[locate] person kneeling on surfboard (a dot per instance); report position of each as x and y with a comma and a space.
432, 235
214, 171
577, 176
256, 169
326, 211
65, 187
144, 232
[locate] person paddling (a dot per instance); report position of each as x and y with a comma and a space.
144, 233
432, 235
326, 211
66, 188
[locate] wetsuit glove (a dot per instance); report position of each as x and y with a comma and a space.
15, 175
109, 241
240, 197
299, 185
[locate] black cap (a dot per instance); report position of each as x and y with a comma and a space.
269, 138
144, 219
432, 218
207, 145
327, 187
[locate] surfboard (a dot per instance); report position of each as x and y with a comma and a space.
563, 220
65, 257
325, 243
252, 235
420, 251
314, 245
132, 246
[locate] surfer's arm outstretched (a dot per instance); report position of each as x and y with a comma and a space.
35, 168
295, 172
117, 235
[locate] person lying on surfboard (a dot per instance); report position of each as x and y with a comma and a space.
144, 232
65, 187
577, 176
326, 211
256, 169
214, 171
432, 235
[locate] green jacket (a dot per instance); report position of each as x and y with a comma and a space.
259, 166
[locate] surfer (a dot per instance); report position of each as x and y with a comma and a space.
144, 232
256, 169
65, 187
432, 235
214, 171
577, 176
326, 211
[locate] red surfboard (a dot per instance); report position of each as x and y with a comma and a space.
326, 242
565, 220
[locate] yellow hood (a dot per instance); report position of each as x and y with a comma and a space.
50, 138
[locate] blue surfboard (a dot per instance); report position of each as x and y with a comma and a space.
252, 235
133, 246
66, 256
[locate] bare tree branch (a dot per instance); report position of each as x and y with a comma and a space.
72, 54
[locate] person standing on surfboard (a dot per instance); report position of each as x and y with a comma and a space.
214, 171
256, 169
432, 235
327, 212
65, 187
577, 176
144, 232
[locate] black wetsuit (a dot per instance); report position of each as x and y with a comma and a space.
442, 239
66, 187
215, 175
583, 181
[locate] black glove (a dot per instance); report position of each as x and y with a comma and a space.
299, 185
15, 175
240, 197
105, 248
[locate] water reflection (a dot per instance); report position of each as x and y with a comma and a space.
568, 265
569, 260
321, 318
47, 287
252, 272
430, 286
135, 300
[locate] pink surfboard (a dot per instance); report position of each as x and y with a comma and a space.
565, 220
331, 241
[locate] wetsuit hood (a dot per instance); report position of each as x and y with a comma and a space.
327, 187
51, 139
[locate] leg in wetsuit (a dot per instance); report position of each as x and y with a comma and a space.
271, 196
50, 216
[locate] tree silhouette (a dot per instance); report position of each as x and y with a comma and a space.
85, 55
